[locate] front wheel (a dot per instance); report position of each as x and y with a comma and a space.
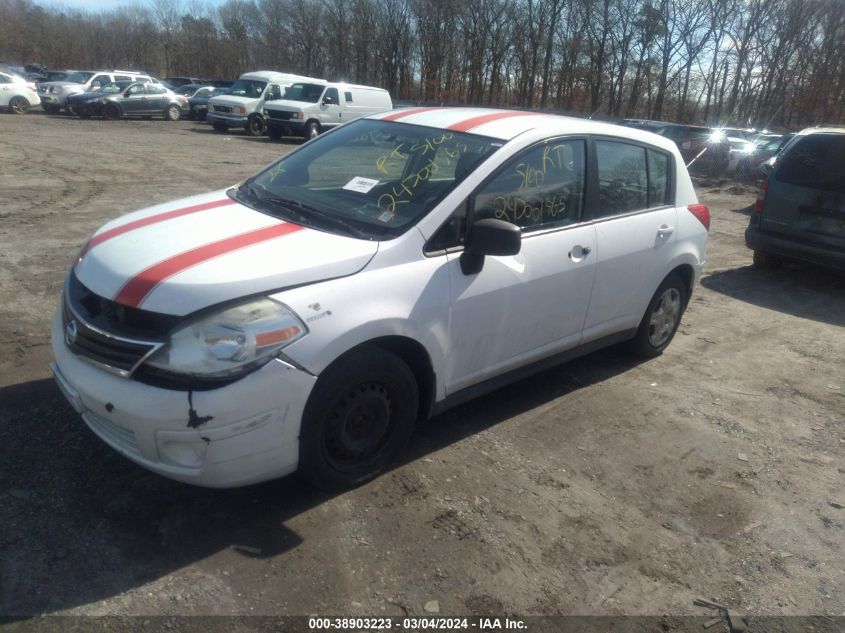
255, 125
18, 105
662, 318
312, 130
111, 111
358, 418
173, 113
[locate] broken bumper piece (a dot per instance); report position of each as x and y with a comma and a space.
239, 434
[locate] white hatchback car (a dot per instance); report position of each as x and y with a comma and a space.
400, 264
17, 95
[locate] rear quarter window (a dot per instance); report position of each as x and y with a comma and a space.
816, 161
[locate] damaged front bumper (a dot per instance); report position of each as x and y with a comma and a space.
242, 433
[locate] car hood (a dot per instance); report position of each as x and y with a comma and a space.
52, 84
287, 105
232, 100
182, 256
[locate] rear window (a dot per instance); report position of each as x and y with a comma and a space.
816, 161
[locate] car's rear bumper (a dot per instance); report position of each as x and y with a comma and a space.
830, 256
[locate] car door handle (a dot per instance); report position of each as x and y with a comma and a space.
579, 252
665, 231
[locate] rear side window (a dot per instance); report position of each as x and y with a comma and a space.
817, 161
623, 177
122, 78
658, 178
348, 97
541, 188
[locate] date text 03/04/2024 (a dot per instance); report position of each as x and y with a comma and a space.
415, 624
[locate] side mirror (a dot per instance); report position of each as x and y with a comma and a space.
489, 237
767, 167
327, 101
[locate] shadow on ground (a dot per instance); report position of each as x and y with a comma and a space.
802, 290
81, 523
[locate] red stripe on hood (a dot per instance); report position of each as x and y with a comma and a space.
152, 219
468, 124
401, 114
136, 289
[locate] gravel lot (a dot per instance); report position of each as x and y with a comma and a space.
605, 486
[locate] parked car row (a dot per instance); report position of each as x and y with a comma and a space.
722, 151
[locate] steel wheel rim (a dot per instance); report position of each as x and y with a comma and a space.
173, 113
359, 426
312, 132
664, 317
19, 106
257, 126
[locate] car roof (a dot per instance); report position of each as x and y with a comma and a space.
508, 124
823, 130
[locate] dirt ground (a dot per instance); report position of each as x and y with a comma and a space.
605, 486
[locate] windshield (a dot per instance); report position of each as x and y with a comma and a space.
248, 88
309, 93
79, 77
371, 179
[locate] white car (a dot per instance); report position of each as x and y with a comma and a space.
17, 95
307, 318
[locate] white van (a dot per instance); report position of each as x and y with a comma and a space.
242, 105
308, 108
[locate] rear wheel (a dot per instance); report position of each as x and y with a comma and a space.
358, 418
662, 318
111, 111
18, 105
255, 125
220, 127
762, 259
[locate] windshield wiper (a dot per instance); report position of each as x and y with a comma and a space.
307, 214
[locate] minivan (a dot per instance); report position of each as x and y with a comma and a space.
800, 209
308, 108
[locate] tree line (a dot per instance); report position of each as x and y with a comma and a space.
767, 63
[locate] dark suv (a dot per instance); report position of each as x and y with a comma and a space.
800, 211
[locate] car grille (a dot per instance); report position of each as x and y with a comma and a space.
279, 114
98, 330
222, 108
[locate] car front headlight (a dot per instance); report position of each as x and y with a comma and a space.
230, 342
241, 110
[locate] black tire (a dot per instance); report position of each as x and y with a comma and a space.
312, 130
173, 112
274, 134
220, 127
50, 108
111, 111
661, 318
255, 125
358, 419
18, 105
762, 259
